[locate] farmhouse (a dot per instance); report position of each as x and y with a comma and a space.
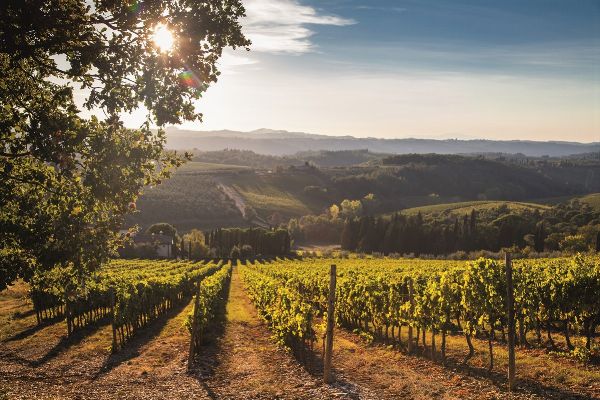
163, 244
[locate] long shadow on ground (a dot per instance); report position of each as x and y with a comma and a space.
64, 344
311, 358
132, 348
31, 330
207, 360
524, 385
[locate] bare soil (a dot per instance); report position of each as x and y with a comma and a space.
245, 363
239, 360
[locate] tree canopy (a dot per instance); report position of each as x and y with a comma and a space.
163, 228
67, 178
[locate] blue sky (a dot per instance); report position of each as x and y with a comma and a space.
524, 69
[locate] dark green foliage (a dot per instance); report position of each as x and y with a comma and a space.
163, 228
193, 200
489, 229
320, 158
250, 242
315, 229
193, 245
245, 158
142, 251
66, 182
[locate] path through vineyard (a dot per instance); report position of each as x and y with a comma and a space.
244, 363
239, 361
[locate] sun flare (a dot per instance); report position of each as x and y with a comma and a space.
163, 38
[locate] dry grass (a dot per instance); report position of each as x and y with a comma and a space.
239, 361
540, 374
243, 363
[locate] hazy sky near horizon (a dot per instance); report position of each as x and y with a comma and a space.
508, 69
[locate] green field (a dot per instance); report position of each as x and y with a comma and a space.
266, 198
271, 193
592, 199
465, 207
200, 167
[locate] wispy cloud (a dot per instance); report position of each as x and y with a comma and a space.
281, 26
379, 8
231, 60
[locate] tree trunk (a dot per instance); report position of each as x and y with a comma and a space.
589, 327
550, 340
400, 334
433, 344
490, 338
471, 348
567, 337
444, 346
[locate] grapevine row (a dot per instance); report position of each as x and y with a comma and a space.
282, 307
131, 293
210, 295
447, 297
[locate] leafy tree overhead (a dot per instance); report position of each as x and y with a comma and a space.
67, 180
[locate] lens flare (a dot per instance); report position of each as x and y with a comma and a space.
189, 79
163, 38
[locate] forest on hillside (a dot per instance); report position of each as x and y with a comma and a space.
276, 189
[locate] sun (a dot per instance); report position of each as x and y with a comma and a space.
163, 38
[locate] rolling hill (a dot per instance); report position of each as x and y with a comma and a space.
465, 207
593, 200
280, 142
213, 194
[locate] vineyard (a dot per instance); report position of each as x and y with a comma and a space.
129, 293
449, 317
380, 297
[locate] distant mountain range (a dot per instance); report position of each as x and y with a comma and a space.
280, 142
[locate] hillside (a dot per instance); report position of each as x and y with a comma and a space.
464, 208
280, 143
321, 158
593, 200
195, 196
190, 199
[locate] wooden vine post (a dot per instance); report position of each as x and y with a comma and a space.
330, 325
193, 339
511, 323
113, 302
68, 317
411, 299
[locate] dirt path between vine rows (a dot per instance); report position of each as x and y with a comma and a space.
239, 360
40, 363
244, 362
